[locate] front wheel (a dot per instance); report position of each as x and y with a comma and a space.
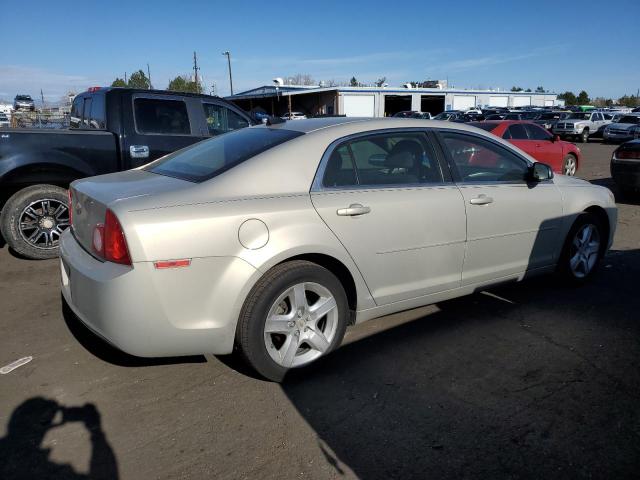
569, 165
33, 220
295, 314
584, 137
583, 248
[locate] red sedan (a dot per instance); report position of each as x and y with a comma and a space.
563, 157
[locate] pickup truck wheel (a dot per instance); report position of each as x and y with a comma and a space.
584, 137
33, 220
569, 165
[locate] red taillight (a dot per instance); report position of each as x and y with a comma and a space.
109, 242
162, 264
115, 245
628, 154
70, 195
93, 89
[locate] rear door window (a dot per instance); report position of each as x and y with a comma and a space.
160, 116
221, 119
97, 119
86, 112
75, 117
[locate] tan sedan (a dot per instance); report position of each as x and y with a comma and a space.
275, 238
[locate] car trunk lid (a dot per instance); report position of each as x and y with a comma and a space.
91, 197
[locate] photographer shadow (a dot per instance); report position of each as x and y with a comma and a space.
22, 452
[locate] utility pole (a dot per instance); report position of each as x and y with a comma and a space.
125, 77
195, 71
149, 76
228, 54
42, 97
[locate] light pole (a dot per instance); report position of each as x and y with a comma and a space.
228, 54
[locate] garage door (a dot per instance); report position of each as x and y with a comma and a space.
548, 103
464, 102
499, 101
359, 105
521, 101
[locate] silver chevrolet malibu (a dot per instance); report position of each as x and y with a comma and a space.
275, 238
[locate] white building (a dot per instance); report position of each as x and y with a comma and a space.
381, 101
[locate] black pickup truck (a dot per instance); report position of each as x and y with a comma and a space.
111, 129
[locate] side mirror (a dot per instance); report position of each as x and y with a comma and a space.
539, 172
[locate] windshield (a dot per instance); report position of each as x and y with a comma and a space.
442, 116
23, 97
212, 157
629, 119
580, 116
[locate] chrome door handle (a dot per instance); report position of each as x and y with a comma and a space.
481, 200
353, 210
139, 151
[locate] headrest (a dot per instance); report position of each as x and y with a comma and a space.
400, 160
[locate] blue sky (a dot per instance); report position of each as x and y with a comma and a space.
562, 46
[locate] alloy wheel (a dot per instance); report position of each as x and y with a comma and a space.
43, 221
570, 166
301, 325
584, 251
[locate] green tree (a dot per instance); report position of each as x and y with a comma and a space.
628, 101
139, 80
568, 97
583, 98
381, 81
540, 90
516, 89
183, 84
118, 82
528, 90
354, 82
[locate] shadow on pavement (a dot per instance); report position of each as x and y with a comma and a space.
106, 352
531, 380
21, 452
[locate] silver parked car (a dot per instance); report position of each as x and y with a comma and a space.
277, 237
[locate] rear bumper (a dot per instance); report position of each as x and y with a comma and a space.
155, 313
626, 173
617, 137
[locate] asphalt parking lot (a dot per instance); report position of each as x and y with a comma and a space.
535, 380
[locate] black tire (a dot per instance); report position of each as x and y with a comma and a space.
564, 266
251, 323
13, 211
584, 136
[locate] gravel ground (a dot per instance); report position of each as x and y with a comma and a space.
534, 380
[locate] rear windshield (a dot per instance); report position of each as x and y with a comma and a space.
484, 126
212, 157
630, 119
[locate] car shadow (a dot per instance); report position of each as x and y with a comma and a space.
108, 353
520, 381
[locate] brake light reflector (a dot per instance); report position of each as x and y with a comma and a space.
98, 239
628, 154
161, 264
115, 244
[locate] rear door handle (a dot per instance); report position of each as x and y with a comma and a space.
481, 200
353, 210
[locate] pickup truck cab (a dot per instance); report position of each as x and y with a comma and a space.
581, 125
111, 129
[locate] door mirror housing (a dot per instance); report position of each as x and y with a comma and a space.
539, 172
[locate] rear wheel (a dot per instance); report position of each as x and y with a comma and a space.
295, 314
583, 248
584, 137
33, 220
569, 165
